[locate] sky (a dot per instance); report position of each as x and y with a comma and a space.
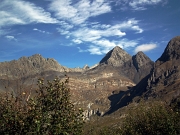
80, 32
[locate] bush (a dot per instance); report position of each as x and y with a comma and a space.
154, 118
110, 131
50, 112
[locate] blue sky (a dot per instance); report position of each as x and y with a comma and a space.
79, 32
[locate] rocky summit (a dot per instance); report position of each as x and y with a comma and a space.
163, 82
133, 67
117, 71
114, 82
117, 57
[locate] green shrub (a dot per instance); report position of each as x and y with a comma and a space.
50, 112
154, 118
110, 131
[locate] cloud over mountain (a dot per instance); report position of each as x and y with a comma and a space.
145, 47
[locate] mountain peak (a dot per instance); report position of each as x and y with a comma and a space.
140, 59
117, 48
140, 53
172, 51
116, 57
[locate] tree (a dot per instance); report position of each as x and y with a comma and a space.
155, 118
50, 112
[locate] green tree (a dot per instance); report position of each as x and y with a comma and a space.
155, 118
49, 112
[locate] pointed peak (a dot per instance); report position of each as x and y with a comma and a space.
116, 57
141, 59
172, 51
116, 47
140, 53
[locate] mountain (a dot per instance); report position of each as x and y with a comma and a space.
163, 82
89, 85
29, 65
143, 65
133, 67
116, 72
117, 80
141, 60
117, 57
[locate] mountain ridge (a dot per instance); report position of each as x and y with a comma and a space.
162, 83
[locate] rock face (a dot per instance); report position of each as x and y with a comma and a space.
117, 57
163, 82
140, 60
134, 67
172, 51
29, 65
143, 66
87, 84
117, 71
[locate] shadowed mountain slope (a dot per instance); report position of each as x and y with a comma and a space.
163, 82
134, 67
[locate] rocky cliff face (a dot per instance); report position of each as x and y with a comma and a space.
134, 67
29, 65
163, 82
117, 71
172, 51
140, 60
87, 84
117, 57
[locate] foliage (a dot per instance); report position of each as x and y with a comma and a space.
110, 131
145, 118
50, 111
154, 118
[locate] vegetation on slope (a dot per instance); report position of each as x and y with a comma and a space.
49, 112
152, 118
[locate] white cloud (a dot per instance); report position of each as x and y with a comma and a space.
77, 41
97, 35
41, 31
102, 31
62, 31
22, 12
65, 25
103, 46
78, 13
11, 38
137, 4
145, 47
95, 50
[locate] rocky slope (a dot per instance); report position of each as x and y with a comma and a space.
90, 86
117, 57
29, 65
133, 67
163, 82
